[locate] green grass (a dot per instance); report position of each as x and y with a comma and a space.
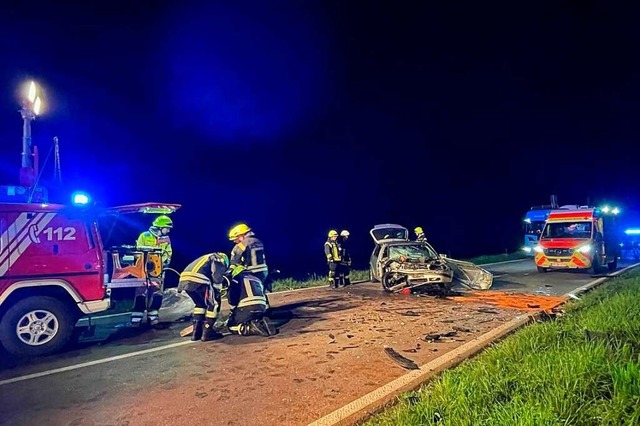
549, 373
494, 258
315, 280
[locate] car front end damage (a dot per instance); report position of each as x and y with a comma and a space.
399, 274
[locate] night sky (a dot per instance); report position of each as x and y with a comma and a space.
299, 117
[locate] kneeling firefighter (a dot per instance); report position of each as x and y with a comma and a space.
248, 304
202, 280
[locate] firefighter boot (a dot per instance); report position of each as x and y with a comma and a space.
198, 325
209, 332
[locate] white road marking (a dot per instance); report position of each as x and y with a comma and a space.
90, 363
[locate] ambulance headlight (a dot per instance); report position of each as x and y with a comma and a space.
80, 199
584, 249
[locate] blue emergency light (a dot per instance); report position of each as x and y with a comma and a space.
80, 198
633, 231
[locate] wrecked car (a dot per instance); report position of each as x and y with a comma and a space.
400, 263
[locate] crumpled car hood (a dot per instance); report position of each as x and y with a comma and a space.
470, 275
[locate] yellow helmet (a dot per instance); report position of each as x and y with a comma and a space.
333, 233
238, 230
162, 221
418, 230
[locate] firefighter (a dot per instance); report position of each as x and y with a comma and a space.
420, 234
205, 275
157, 236
248, 304
332, 253
344, 267
249, 252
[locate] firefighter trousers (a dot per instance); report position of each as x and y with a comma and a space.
207, 305
247, 320
149, 299
343, 271
333, 266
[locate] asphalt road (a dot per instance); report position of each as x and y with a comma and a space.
522, 276
76, 388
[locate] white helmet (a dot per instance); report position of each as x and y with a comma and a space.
344, 233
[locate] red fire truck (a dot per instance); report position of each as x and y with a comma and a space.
57, 278
579, 238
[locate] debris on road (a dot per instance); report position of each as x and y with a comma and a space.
519, 301
400, 360
175, 306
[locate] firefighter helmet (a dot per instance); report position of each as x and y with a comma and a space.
238, 230
344, 233
333, 233
162, 222
221, 258
418, 230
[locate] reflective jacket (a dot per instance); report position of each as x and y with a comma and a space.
332, 251
250, 254
149, 239
421, 237
246, 290
202, 271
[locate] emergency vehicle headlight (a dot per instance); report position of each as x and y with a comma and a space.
584, 249
538, 249
80, 198
526, 249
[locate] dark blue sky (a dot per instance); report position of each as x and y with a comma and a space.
299, 117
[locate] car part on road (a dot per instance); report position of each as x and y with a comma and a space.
402, 361
470, 275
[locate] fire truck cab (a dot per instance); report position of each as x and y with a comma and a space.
56, 276
578, 238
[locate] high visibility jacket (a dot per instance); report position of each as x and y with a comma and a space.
345, 252
421, 237
246, 290
202, 271
149, 239
332, 251
250, 254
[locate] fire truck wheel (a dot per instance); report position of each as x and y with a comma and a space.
36, 326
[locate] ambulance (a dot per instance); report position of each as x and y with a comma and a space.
579, 238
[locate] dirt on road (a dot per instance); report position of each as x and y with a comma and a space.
329, 351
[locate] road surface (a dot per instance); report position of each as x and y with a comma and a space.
328, 353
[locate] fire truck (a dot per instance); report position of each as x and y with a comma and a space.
579, 238
58, 279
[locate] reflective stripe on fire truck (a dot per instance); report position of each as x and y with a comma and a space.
16, 238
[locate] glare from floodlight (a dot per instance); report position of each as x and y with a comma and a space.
32, 92
37, 105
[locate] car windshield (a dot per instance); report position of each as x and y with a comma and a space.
389, 233
417, 252
533, 228
567, 230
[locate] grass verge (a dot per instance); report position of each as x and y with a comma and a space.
315, 280
583, 369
